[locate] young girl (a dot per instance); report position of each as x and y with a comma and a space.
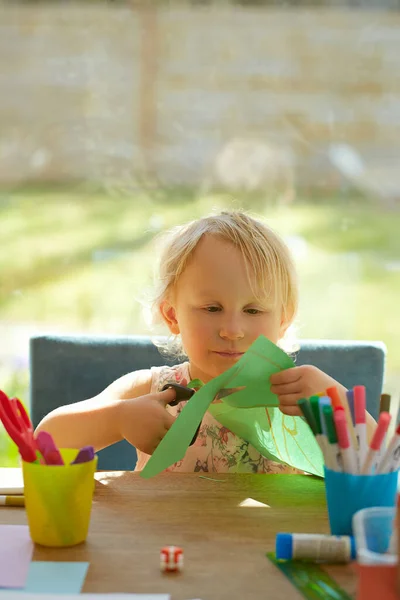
224, 281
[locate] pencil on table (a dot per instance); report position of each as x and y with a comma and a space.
12, 501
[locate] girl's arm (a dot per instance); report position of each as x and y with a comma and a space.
96, 421
293, 384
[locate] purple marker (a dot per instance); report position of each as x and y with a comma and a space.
85, 454
48, 449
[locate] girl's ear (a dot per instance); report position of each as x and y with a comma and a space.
169, 315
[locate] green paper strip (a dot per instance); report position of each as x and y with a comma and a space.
276, 436
173, 446
309, 579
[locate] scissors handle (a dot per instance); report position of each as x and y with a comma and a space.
182, 393
18, 426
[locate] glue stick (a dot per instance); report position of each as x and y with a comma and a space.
315, 547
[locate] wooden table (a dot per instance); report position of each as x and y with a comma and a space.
224, 537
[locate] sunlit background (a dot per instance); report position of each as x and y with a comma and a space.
121, 119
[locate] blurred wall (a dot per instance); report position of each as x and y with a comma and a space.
188, 95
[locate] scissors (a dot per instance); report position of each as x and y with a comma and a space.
182, 393
18, 426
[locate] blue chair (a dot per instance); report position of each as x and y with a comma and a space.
69, 369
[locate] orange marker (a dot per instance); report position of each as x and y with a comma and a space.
334, 396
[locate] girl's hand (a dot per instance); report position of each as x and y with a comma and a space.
293, 384
144, 421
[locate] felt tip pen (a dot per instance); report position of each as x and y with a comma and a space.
384, 404
335, 457
361, 424
322, 402
390, 461
376, 442
85, 454
350, 401
49, 450
321, 439
349, 460
305, 407
12, 501
333, 394
341, 402
315, 547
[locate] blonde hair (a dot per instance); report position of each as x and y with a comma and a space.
267, 258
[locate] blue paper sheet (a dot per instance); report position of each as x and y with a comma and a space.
55, 577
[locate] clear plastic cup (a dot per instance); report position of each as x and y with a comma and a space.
375, 535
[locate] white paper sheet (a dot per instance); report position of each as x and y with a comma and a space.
4, 595
11, 481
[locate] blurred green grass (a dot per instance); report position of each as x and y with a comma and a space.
82, 260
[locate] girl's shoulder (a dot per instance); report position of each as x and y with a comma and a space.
166, 374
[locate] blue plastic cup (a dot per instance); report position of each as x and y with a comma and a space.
347, 494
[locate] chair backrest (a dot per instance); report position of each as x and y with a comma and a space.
65, 370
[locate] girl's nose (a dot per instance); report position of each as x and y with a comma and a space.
231, 330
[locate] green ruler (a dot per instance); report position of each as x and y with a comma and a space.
311, 581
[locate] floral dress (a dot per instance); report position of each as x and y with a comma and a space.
216, 449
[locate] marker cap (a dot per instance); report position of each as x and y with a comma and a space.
341, 429
284, 546
359, 403
333, 394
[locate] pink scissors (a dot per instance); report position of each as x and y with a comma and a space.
18, 426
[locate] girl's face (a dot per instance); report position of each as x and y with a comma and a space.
215, 311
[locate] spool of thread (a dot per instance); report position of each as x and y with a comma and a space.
315, 547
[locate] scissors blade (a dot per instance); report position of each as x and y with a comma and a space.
228, 391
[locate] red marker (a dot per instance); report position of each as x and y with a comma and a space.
391, 459
361, 423
348, 455
379, 435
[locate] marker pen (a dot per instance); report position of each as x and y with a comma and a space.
380, 432
85, 454
49, 450
315, 547
322, 402
391, 459
350, 401
321, 439
333, 394
347, 451
335, 456
341, 401
308, 414
384, 404
361, 424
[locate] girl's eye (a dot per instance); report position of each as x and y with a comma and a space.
212, 308
253, 311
